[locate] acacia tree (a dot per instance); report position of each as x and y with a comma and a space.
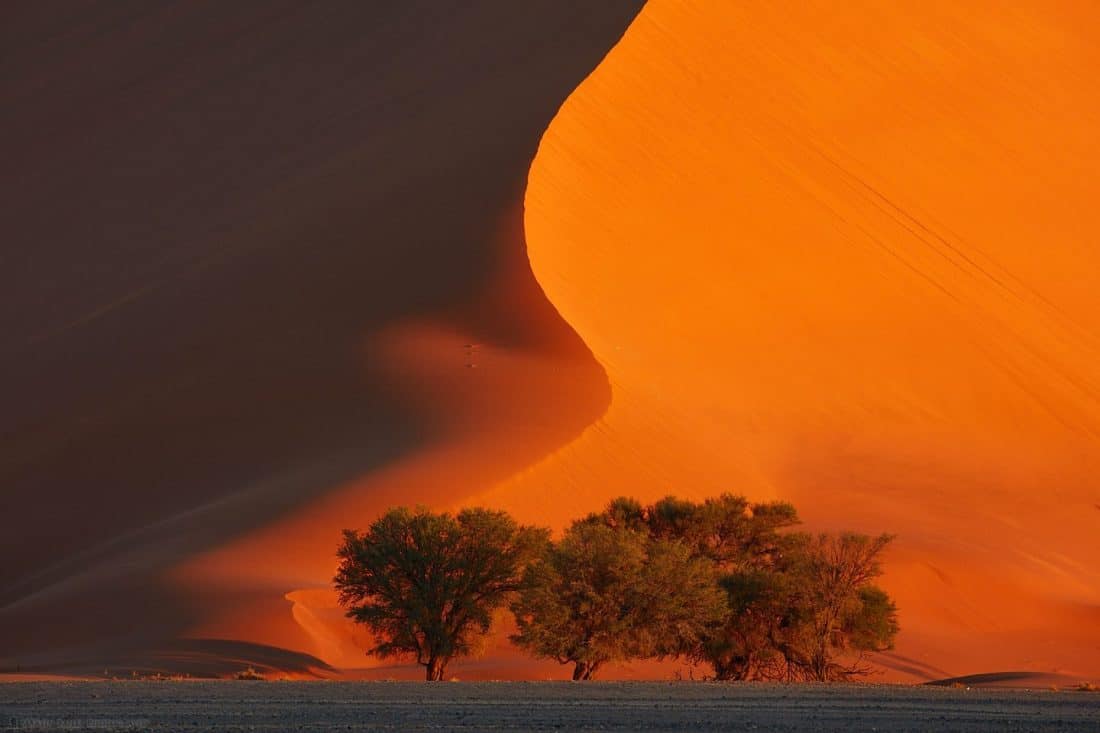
747, 544
607, 593
728, 530
837, 613
743, 544
797, 606
427, 585
743, 644
811, 613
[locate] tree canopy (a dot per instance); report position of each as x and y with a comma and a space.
723, 582
606, 594
798, 607
838, 614
427, 585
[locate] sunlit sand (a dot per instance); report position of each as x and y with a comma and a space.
845, 256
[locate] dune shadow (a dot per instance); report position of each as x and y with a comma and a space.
1002, 679
211, 209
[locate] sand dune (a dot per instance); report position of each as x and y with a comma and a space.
846, 255
245, 249
265, 275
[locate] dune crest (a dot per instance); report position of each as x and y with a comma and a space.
846, 255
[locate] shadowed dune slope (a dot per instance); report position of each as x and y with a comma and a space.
251, 252
846, 255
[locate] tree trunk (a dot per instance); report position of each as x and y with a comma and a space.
585, 670
435, 669
730, 671
819, 663
722, 672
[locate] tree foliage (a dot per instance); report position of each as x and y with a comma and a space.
798, 607
723, 582
727, 529
611, 593
427, 585
838, 614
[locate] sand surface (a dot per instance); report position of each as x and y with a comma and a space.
271, 706
845, 255
263, 274
266, 272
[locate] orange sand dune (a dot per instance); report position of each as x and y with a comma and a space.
837, 254
846, 254
258, 258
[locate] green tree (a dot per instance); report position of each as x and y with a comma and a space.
797, 606
427, 585
726, 529
742, 644
611, 593
744, 544
837, 614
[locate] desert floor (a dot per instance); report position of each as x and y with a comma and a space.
268, 706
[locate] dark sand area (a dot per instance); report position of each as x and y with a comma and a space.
270, 706
213, 210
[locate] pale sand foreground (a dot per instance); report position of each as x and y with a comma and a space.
535, 706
